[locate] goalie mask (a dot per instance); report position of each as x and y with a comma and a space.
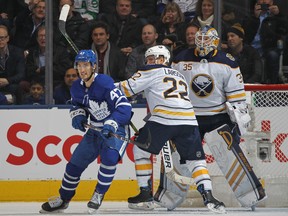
157, 52
206, 40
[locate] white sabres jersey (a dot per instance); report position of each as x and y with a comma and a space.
166, 91
212, 81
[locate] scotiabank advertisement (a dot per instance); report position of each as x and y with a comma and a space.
37, 143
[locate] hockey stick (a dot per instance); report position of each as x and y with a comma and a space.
169, 167
168, 162
62, 23
141, 145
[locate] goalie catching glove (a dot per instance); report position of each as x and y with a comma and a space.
79, 118
239, 114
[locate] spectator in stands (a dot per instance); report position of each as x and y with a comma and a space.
191, 30
125, 29
144, 10
89, 9
110, 60
12, 65
35, 62
27, 23
262, 30
137, 57
248, 58
188, 7
61, 93
4, 20
107, 7
171, 26
204, 13
36, 95
77, 28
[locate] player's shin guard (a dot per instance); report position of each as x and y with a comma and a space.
224, 145
204, 185
143, 168
70, 181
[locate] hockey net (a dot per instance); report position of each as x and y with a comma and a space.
265, 146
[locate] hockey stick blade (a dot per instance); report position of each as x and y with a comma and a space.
141, 145
172, 175
62, 23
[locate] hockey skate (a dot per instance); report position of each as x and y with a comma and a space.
95, 202
55, 205
143, 201
211, 202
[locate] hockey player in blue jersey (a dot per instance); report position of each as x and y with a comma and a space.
94, 97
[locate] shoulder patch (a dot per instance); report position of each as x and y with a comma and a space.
228, 55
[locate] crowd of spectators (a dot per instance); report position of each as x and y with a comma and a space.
120, 31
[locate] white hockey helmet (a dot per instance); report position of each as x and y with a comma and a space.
206, 40
158, 51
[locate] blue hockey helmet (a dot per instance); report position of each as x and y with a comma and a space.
86, 56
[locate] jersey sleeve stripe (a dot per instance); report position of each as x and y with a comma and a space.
125, 89
236, 96
123, 104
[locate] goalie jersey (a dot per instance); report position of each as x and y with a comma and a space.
216, 77
102, 100
166, 91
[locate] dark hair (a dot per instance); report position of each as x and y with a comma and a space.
174, 7
101, 24
199, 7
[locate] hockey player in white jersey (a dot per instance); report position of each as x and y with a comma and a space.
217, 92
172, 118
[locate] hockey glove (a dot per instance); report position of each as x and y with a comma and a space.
110, 126
239, 114
79, 118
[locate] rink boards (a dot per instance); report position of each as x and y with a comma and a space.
37, 143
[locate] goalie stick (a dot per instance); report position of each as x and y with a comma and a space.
62, 26
141, 145
169, 167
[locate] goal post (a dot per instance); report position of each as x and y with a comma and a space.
265, 146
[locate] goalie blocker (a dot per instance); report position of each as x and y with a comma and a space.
224, 145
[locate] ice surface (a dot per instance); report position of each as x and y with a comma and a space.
121, 208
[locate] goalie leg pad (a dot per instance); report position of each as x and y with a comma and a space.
171, 194
231, 160
168, 199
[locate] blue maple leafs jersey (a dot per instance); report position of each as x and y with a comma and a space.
212, 81
101, 100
